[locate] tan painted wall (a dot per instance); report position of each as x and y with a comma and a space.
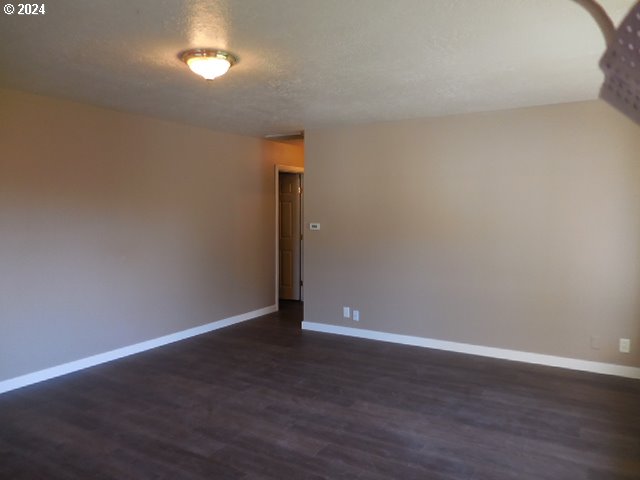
517, 229
289, 153
116, 228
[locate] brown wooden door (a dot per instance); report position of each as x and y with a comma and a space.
290, 233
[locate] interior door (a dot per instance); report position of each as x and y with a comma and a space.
290, 231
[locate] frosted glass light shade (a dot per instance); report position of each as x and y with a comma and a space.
208, 67
209, 64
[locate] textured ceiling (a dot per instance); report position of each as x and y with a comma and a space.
307, 63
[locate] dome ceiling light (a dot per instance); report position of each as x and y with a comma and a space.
209, 63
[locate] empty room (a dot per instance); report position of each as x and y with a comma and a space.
298, 239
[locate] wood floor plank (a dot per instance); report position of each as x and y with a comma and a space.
265, 400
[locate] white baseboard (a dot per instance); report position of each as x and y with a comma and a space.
58, 370
514, 355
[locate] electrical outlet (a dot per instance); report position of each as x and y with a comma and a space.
625, 345
346, 312
356, 315
595, 342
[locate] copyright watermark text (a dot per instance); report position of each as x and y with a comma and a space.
24, 9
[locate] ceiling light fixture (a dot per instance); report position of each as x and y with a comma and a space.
209, 63
621, 61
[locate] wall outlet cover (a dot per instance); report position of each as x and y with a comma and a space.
346, 312
625, 345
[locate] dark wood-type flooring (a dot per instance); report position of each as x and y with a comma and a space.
264, 400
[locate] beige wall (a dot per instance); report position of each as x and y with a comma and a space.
517, 229
289, 153
115, 229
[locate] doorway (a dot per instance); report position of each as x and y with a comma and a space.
289, 236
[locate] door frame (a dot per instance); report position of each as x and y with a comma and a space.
287, 169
